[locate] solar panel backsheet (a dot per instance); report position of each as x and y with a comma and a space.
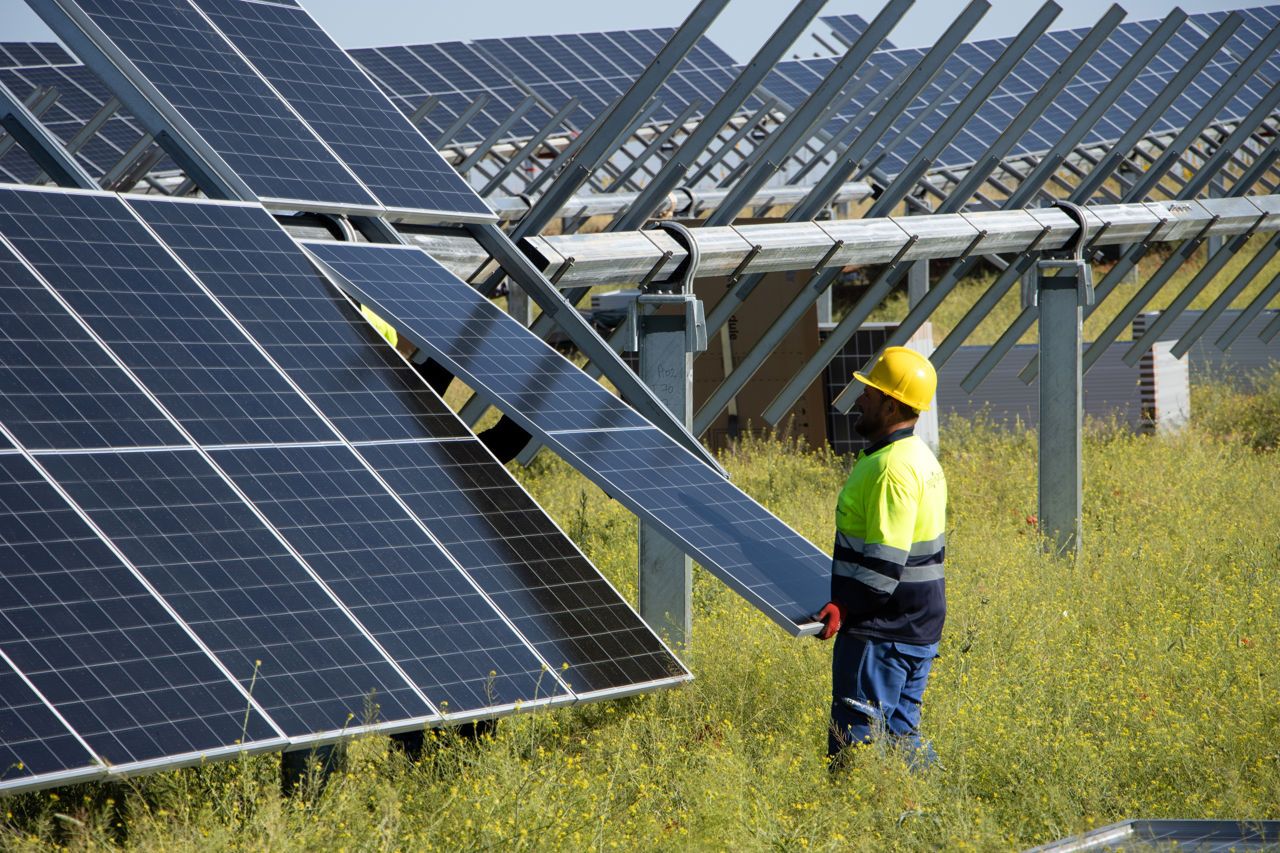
634, 462
343, 106
178, 586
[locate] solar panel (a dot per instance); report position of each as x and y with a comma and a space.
219, 99
189, 354
850, 27
468, 502
599, 68
455, 73
309, 665
80, 96
127, 678
61, 389
634, 462
791, 82
184, 582
15, 54
344, 108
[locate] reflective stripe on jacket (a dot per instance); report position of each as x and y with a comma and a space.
887, 567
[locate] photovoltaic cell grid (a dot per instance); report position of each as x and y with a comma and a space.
17, 54
345, 109
850, 27
792, 81
153, 586
599, 68
490, 526
456, 74
228, 104
80, 95
635, 463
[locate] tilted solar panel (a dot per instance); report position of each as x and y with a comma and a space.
206, 95
850, 27
742, 543
79, 623
346, 110
493, 529
244, 591
80, 96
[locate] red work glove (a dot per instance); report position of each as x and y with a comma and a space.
830, 616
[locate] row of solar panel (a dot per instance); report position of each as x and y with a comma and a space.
299, 134
791, 81
598, 67
233, 517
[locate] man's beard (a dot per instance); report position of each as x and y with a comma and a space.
866, 425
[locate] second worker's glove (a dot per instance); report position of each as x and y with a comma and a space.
830, 616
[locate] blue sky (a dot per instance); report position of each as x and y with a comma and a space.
740, 28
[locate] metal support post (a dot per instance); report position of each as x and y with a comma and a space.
667, 343
1062, 298
917, 282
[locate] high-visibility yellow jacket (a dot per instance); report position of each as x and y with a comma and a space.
384, 328
887, 567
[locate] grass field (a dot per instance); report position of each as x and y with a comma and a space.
1142, 681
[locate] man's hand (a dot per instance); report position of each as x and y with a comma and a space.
830, 616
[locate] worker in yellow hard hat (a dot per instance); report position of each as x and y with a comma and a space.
887, 587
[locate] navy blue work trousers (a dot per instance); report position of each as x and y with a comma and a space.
877, 686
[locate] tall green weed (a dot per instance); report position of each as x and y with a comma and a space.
1139, 681
1241, 408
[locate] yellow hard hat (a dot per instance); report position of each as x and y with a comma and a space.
904, 375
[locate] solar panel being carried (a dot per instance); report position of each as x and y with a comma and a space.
201, 561
765, 561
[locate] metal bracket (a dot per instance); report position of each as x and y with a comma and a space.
1073, 267
564, 268
695, 322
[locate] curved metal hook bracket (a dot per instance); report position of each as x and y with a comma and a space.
688, 269
651, 296
1071, 271
1081, 219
